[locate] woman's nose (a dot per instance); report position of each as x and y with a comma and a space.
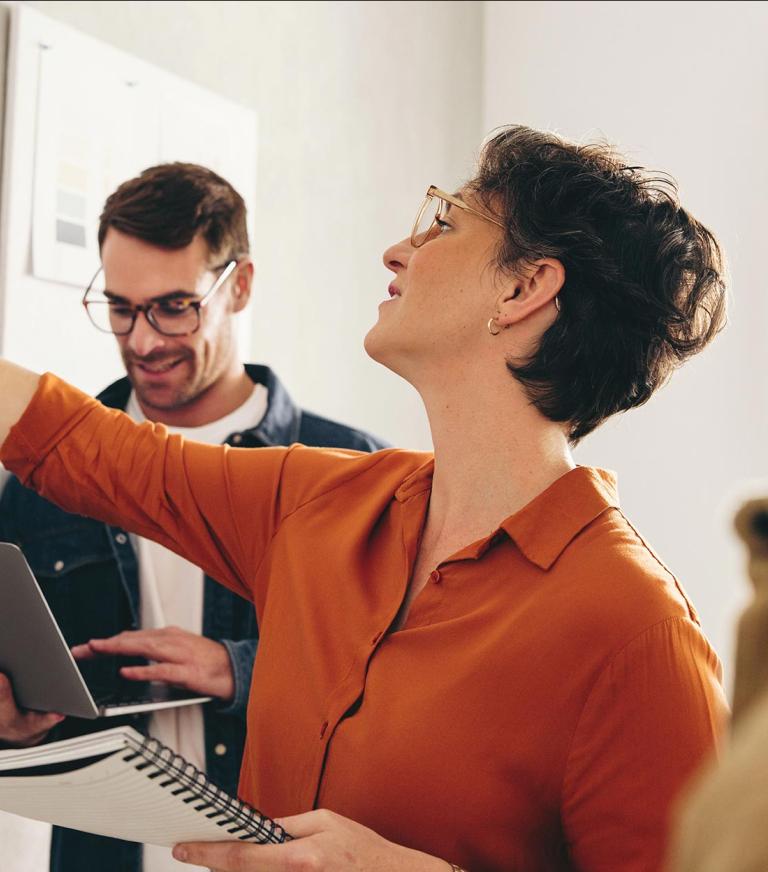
396, 257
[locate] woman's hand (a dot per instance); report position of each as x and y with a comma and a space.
323, 841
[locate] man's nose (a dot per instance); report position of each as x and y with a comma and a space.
144, 339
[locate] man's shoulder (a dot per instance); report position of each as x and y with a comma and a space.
323, 432
116, 395
286, 423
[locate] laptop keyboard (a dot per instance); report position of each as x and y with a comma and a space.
135, 693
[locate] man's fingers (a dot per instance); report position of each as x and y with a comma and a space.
171, 673
20, 726
34, 726
7, 702
43, 721
134, 643
83, 652
28, 728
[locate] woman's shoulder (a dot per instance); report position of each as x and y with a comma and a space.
621, 578
310, 473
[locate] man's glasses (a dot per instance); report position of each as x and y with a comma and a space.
174, 314
434, 210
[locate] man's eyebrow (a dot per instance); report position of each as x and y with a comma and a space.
160, 298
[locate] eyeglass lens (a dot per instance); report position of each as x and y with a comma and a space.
426, 224
174, 318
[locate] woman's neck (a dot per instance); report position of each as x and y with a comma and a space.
494, 452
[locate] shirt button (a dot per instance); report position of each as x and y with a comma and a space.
121, 538
434, 576
376, 638
58, 565
323, 729
220, 750
237, 438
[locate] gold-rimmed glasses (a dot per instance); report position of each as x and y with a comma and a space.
173, 314
433, 211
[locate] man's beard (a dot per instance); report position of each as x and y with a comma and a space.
167, 398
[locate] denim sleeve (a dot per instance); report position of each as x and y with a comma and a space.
6, 509
241, 655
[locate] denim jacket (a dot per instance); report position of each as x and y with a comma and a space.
89, 574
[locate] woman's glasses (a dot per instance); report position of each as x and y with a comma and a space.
434, 210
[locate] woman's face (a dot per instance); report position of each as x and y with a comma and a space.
441, 295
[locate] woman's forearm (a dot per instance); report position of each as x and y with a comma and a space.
17, 387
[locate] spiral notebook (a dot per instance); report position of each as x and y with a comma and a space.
119, 783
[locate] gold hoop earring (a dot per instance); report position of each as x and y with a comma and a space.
490, 325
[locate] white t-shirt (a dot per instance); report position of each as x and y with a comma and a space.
171, 594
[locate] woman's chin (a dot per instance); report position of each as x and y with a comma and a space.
373, 343
379, 347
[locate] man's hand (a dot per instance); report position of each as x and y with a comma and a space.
323, 841
18, 728
180, 658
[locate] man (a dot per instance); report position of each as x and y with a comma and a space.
175, 271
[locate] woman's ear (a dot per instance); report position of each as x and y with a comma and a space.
535, 286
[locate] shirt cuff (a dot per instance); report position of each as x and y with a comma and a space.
241, 655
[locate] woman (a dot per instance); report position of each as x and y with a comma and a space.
472, 661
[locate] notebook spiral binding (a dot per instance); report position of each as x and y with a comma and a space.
237, 818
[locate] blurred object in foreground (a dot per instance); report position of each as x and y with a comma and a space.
722, 823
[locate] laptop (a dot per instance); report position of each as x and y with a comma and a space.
44, 674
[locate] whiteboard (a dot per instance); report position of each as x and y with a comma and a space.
80, 118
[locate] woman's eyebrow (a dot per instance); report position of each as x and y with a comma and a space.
448, 203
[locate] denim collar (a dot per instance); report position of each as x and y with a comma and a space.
279, 426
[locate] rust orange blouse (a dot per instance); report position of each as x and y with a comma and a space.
548, 696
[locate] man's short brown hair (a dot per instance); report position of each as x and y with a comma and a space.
170, 204
644, 286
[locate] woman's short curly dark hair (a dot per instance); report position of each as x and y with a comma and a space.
644, 286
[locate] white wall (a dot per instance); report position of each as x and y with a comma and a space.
681, 87
361, 106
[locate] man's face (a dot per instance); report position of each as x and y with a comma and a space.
168, 372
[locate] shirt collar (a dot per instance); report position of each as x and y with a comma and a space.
543, 528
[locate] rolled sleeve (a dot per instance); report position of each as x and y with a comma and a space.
216, 506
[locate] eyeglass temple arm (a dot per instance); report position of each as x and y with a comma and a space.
228, 269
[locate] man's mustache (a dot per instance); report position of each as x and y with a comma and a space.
154, 359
